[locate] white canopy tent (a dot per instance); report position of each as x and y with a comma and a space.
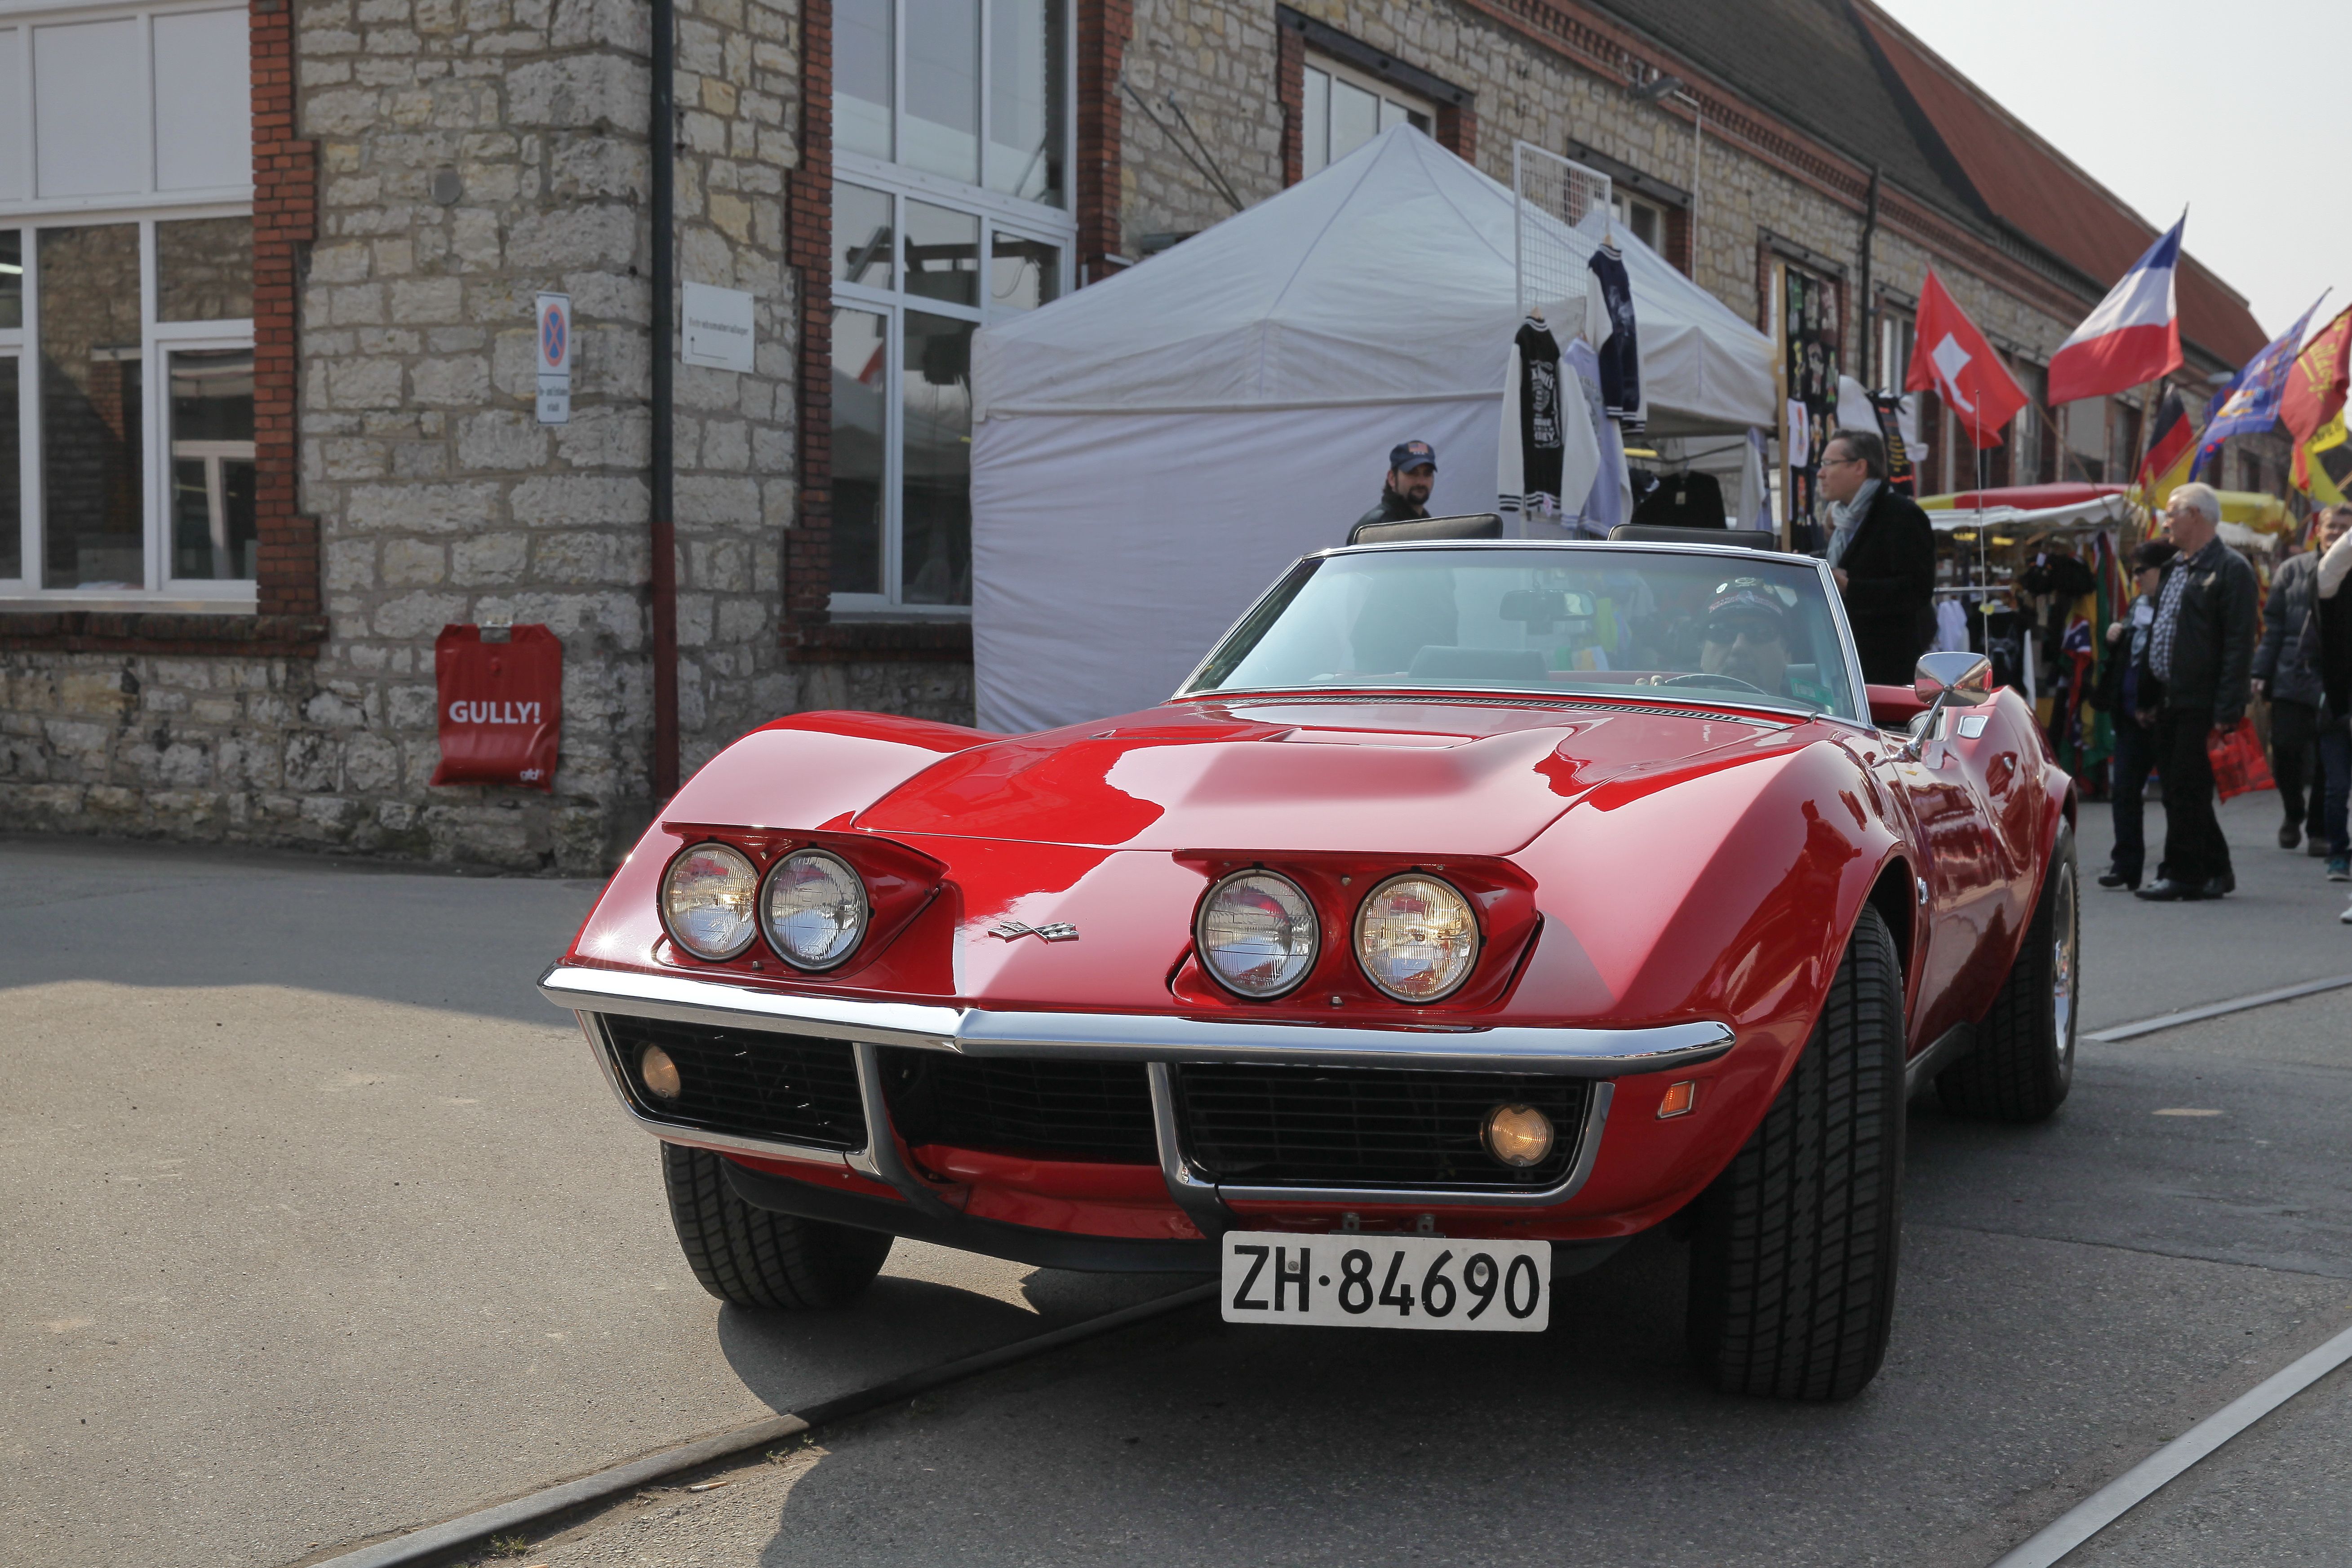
1150, 453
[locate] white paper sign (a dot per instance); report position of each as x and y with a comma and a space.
718, 328
555, 359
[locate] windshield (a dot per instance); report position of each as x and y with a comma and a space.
1595, 619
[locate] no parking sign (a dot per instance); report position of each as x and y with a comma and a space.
555, 359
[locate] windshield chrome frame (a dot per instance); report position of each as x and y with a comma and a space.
1687, 695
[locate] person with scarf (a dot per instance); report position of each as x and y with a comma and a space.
1882, 551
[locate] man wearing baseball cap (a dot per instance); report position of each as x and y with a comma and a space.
1404, 494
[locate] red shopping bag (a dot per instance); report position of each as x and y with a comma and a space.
501, 705
2239, 766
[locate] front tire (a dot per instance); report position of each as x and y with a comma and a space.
2024, 1061
1794, 1246
755, 1257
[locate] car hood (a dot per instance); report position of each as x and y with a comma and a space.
1429, 775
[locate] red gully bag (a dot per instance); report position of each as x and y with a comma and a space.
500, 706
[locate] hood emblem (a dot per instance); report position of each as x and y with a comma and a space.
1013, 930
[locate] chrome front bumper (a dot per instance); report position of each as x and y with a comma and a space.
1154, 1040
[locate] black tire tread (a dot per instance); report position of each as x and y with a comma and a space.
2012, 1073
1794, 1252
756, 1257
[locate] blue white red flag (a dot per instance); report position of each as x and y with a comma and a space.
2250, 404
2134, 336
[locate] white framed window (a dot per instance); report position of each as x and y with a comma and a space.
950, 209
1644, 219
914, 278
126, 426
1896, 333
1343, 107
126, 307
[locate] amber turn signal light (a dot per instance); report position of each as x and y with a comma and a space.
659, 1072
1679, 1100
1517, 1135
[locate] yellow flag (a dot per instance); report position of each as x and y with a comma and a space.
2324, 464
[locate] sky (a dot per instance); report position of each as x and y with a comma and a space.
2238, 110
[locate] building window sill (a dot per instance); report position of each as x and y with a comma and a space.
841, 642
174, 632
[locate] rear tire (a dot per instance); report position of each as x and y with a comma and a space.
755, 1257
1794, 1247
2024, 1061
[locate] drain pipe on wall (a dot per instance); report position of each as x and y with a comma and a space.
1873, 373
661, 137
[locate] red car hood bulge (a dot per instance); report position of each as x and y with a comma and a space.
1435, 777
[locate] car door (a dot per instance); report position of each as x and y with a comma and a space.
1971, 864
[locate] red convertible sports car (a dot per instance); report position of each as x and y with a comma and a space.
1473, 907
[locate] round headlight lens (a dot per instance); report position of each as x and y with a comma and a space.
1256, 934
707, 901
816, 909
1416, 938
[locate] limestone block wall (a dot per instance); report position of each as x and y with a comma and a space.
472, 155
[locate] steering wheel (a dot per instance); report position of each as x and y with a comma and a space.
1726, 682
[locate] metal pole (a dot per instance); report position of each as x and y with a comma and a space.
662, 138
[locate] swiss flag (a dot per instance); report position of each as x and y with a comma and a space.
1952, 359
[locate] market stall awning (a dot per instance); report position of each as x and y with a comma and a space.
2026, 497
2095, 512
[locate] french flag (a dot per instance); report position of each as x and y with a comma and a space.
2132, 338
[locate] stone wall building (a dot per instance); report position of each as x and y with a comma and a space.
268, 274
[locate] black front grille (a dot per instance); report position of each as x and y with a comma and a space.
1365, 1126
794, 1088
1098, 1111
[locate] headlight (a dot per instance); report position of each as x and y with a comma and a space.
1256, 934
707, 900
1416, 938
816, 909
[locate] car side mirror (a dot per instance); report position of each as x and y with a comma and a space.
1941, 680
1962, 677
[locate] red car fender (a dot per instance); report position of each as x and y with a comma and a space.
1727, 893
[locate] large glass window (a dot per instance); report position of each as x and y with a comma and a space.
935, 84
952, 127
127, 409
1345, 108
93, 493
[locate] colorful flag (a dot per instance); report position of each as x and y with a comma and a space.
2133, 337
2322, 465
1952, 357
2171, 451
2313, 393
2250, 402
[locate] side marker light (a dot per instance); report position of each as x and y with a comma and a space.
1680, 1099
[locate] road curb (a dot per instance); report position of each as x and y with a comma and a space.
2218, 1009
433, 1539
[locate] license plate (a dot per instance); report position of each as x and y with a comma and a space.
1387, 1282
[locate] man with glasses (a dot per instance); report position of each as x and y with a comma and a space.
2201, 649
1883, 552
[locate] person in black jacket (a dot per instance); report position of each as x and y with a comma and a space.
1883, 549
2331, 614
2286, 672
2130, 698
1404, 493
2202, 648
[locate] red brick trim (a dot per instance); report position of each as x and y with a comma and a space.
1103, 28
1457, 129
808, 543
1290, 92
142, 632
285, 221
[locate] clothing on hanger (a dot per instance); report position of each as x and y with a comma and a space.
1546, 456
1608, 327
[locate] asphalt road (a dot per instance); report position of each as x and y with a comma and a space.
324, 1226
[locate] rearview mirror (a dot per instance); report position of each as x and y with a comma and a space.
1541, 608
